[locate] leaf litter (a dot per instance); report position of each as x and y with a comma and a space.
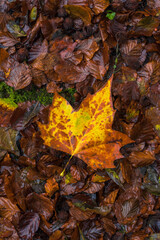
98, 63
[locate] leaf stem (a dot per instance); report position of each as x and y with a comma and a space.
63, 172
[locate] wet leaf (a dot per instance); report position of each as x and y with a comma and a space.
127, 206
108, 225
92, 230
114, 176
51, 186
154, 236
86, 133
28, 225
6, 111
80, 12
57, 235
99, 178
139, 159
130, 208
19, 77
154, 223
133, 54
152, 188
38, 51
88, 47
3, 55
7, 209
33, 14
100, 6
23, 114
16, 187
7, 230
15, 29
146, 26
71, 73
93, 187
40, 204
7, 40
153, 114
81, 215
110, 199
149, 74
8, 140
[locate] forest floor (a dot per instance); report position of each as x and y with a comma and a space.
80, 119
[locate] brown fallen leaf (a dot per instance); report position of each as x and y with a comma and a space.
86, 133
40, 204
139, 159
7, 230
8, 140
146, 26
8, 209
28, 225
133, 53
51, 186
6, 111
20, 76
76, 11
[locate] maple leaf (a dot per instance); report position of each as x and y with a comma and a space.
87, 132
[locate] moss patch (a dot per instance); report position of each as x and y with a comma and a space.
8, 93
68, 94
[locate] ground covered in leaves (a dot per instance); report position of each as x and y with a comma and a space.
103, 57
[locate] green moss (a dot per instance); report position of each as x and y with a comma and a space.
9, 94
8, 103
68, 94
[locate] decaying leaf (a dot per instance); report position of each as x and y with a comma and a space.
8, 209
7, 230
79, 11
28, 225
141, 158
86, 133
8, 140
15, 29
146, 26
19, 77
6, 111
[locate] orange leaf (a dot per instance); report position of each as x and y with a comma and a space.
51, 186
110, 199
87, 132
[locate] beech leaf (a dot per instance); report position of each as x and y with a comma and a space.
79, 11
87, 132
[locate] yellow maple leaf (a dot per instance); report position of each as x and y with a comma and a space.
87, 132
